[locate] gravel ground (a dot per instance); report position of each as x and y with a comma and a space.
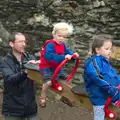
57, 110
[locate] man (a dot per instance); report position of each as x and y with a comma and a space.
19, 94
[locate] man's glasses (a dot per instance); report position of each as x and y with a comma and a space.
21, 41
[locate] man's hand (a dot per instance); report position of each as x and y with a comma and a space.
119, 87
26, 71
34, 61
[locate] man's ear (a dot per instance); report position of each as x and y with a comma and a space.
11, 44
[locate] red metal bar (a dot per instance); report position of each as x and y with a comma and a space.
56, 85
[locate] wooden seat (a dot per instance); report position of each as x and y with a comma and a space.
77, 96
80, 90
31, 66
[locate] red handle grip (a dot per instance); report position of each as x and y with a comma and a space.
60, 66
109, 114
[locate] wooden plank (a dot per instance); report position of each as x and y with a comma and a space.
34, 75
116, 53
68, 97
75, 99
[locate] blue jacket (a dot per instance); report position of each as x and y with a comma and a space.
101, 80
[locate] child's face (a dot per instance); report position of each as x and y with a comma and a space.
105, 50
60, 35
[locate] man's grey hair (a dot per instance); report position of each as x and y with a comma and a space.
13, 35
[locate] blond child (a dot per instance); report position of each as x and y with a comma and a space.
53, 53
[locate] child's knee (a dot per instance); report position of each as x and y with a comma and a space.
48, 83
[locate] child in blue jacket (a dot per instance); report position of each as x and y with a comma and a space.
101, 80
53, 53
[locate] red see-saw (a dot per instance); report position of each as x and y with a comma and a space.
57, 87
109, 114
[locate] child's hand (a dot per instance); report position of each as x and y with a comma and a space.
76, 54
119, 87
68, 56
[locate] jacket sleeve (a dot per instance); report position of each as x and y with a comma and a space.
118, 77
51, 56
68, 51
9, 76
94, 73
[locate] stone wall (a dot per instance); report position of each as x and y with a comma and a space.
35, 18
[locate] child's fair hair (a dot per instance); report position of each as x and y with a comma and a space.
98, 41
63, 26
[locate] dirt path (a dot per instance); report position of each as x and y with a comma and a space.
56, 110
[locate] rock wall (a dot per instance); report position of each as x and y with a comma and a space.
35, 19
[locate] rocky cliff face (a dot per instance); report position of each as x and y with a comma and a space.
35, 18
